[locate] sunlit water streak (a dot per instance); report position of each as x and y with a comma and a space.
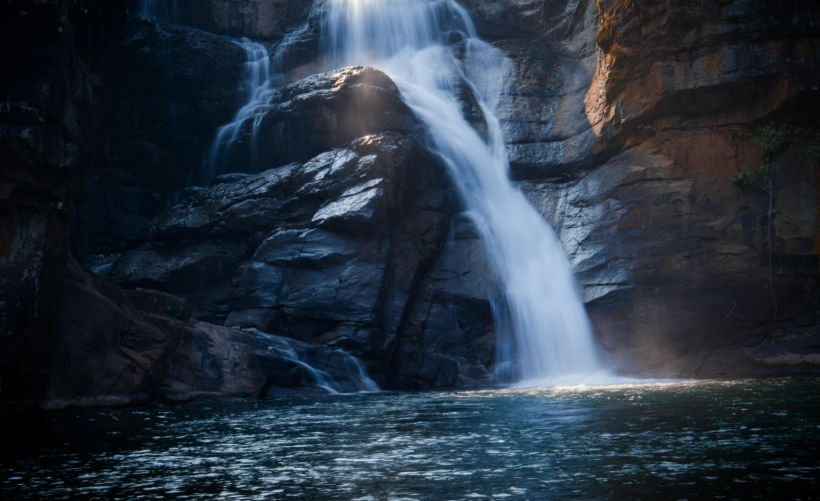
431, 50
262, 76
686, 440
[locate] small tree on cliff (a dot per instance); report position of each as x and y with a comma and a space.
772, 140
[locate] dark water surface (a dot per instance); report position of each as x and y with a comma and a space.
699, 440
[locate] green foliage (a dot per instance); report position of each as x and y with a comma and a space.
812, 154
752, 176
772, 139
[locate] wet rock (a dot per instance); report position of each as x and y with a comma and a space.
673, 258
217, 362
304, 249
134, 346
357, 211
451, 323
160, 303
320, 113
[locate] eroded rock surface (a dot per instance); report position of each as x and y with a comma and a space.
126, 347
331, 246
683, 271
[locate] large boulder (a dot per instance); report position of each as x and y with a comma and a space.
334, 244
125, 347
317, 114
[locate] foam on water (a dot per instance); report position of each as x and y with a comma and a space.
431, 50
601, 380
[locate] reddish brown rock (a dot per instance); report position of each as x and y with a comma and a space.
684, 272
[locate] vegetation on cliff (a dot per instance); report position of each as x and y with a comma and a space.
773, 139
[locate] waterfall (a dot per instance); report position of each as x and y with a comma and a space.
256, 88
356, 371
431, 50
261, 77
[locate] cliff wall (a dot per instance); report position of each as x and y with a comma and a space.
626, 124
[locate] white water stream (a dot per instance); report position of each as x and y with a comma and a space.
261, 78
542, 321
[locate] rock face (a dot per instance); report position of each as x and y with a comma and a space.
256, 19
56, 94
333, 233
177, 86
684, 272
330, 247
132, 347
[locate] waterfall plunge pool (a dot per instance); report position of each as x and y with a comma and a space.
738, 439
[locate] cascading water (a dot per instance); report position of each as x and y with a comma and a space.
262, 76
256, 87
431, 50
357, 373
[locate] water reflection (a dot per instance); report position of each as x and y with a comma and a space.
682, 440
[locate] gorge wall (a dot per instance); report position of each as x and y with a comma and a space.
335, 232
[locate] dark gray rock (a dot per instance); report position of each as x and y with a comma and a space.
306, 249
255, 19
160, 303
132, 347
178, 268
319, 113
109, 352
179, 85
217, 362
357, 211
56, 92
449, 334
